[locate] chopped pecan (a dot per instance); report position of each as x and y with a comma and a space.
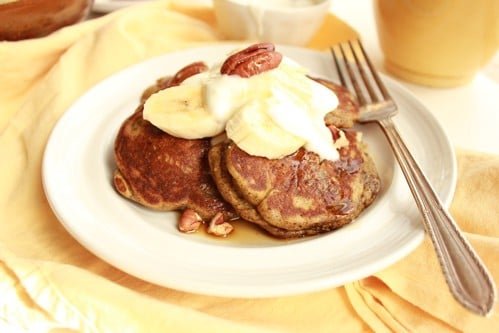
253, 60
219, 227
190, 221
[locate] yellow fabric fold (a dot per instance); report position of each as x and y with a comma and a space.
413, 291
50, 283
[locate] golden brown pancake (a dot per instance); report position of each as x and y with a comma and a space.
163, 172
298, 195
347, 112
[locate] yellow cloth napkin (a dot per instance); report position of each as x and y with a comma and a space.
50, 283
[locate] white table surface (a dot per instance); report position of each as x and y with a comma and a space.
469, 114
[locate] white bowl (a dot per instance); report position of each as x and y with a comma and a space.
292, 22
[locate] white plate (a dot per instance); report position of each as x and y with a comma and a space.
106, 6
77, 174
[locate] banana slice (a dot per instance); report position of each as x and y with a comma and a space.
255, 132
180, 111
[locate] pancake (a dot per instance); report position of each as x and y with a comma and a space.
298, 195
163, 172
347, 112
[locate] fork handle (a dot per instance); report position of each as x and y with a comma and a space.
465, 274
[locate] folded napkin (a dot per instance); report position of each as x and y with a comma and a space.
50, 283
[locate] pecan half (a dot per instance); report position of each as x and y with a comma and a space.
186, 72
253, 60
178, 78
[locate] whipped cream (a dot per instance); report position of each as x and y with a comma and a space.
288, 98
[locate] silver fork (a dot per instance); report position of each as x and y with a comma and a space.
465, 274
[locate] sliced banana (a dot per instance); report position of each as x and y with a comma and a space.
255, 132
180, 111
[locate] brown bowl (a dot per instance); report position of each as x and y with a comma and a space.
22, 19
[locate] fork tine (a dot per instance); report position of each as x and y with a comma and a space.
362, 72
358, 91
374, 73
338, 67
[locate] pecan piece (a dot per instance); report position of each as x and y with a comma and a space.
219, 227
253, 60
190, 221
178, 78
186, 72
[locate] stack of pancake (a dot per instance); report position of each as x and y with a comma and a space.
297, 195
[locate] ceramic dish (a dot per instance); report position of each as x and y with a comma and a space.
77, 174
